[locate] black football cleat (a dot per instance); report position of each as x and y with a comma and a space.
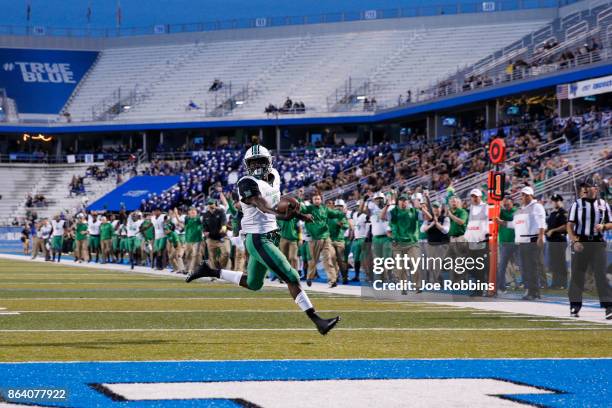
574, 311
203, 271
609, 313
325, 325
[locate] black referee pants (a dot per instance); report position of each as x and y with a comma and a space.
594, 256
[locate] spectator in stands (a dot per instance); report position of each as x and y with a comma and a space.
216, 85
192, 105
29, 201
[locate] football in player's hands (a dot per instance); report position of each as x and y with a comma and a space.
288, 205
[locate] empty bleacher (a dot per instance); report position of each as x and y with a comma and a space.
50, 180
307, 68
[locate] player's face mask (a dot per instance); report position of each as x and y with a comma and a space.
259, 167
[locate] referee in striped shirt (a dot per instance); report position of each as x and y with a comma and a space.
589, 218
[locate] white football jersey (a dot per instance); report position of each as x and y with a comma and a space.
253, 220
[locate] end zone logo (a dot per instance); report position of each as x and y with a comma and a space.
39, 72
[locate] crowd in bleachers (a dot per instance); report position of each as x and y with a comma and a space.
289, 106
368, 168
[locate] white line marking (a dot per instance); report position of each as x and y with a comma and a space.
283, 298
398, 329
314, 359
224, 311
8, 313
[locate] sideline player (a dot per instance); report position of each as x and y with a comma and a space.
259, 192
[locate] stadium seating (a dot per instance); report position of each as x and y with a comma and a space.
540, 51
50, 180
309, 68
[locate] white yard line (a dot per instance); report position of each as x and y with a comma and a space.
227, 311
390, 329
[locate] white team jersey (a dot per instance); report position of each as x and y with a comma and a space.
176, 221
93, 225
158, 225
133, 228
253, 220
379, 226
361, 225
58, 228
44, 232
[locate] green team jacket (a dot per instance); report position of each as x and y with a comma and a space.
337, 227
318, 228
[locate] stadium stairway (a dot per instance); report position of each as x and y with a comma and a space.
50, 180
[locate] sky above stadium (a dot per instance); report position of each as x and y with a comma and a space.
138, 13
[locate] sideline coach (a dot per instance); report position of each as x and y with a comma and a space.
589, 217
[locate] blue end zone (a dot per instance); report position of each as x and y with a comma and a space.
569, 383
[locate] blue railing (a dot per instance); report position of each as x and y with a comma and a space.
232, 24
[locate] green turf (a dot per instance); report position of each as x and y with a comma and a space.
123, 316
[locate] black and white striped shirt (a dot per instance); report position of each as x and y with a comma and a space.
586, 213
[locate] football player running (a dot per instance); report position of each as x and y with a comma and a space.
259, 193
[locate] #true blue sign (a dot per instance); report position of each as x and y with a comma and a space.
41, 81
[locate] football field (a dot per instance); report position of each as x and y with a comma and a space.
52, 312
152, 338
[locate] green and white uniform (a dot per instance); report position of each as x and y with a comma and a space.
94, 232
361, 225
134, 237
57, 240
261, 232
160, 235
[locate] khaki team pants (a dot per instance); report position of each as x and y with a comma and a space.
413, 250
217, 253
175, 256
81, 250
290, 250
338, 258
193, 255
106, 246
239, 259
39, 245
317, 248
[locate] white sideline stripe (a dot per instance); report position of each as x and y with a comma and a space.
549, 320
398, 329
179, 298
65, 362
225, 311
8, 313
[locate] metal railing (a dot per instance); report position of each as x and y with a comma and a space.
277, 21
43, 158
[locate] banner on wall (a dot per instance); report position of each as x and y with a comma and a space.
590, 87
41, 81
130, 194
